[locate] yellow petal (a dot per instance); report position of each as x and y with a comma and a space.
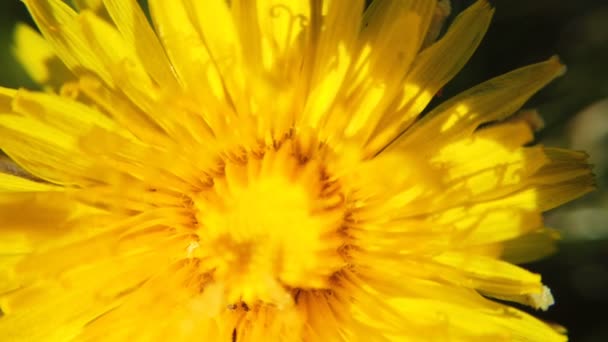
440, 312
6, 99
39, 59
438, 320
93, 5
432, 70
530, 247
281, 33
58, 24
485, 169
137, 32
487, 274
490, 101
179, 315
339, 30
222, 51
65, 114
12, 183
385, 59
119, 60
566, 177
42, 150
50, 306
481, 224
333, 48
201, 59
46, 221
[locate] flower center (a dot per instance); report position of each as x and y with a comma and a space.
270, 226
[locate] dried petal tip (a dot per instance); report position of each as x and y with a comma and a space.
559, 65
542, 300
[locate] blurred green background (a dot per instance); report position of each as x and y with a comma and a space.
575, 109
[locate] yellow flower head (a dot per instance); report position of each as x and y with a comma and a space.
260, 171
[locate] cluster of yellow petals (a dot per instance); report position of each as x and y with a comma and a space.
261, 171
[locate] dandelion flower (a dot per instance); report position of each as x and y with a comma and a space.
261, 171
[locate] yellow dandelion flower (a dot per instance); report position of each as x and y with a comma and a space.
261, 171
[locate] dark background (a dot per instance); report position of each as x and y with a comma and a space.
575, 109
